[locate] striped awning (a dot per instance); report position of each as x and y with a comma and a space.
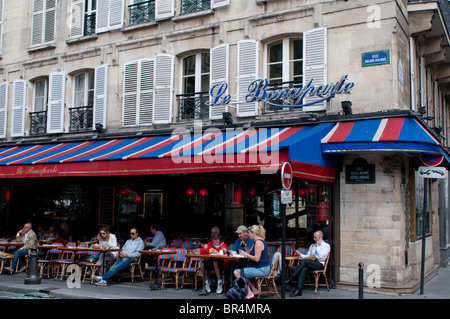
399, 134
210, 151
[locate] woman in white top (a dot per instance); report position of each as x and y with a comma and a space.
106, 240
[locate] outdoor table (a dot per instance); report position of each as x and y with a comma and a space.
222, 258
103, 251
158, 253
9, 244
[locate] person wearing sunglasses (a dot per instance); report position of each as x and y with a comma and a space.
106, 240
129, 254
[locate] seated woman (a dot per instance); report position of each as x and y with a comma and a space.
258, 265
106, 240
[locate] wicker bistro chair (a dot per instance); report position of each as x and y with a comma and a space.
192, 268
287, 248
67, 257
46, 264
317, 274
5, 258
269, 281
87, 266
176, 266
136, 266
294, 263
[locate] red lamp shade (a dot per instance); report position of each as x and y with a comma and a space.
203, 192
190, 191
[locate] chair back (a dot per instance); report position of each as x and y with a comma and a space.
12, 248
271, 249
164, 260
179, 258
303, 251
176, 243
287, 250
187, 244
69, 254
82, 253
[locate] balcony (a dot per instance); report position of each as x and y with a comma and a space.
191, 6
142, 12
276, 106
193, 106
81, 119
38, 123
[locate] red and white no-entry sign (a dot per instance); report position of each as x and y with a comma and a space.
286, 175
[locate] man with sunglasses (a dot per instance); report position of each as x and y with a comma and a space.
128, 255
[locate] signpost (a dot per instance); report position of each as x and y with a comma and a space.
286, 198
427, 172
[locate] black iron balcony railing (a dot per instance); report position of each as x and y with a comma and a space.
89, 23
38, 123
81, 119
193, 106
142, 12
280, 105
190, 6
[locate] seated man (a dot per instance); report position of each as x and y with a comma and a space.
243, 241
27, 236
320, 251
215, 246
158, 241
128, 255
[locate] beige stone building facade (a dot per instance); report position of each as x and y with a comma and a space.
85, 70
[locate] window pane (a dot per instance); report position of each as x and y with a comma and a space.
39, 96
189, 65
275, 52
276, 72
78, 99
296, 51
205, 83
205, 62
189, 84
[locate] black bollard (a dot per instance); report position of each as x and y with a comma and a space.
33, 277
361, 280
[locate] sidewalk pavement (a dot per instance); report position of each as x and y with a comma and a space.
437, 288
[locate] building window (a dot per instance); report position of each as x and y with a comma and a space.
141, 12
285, 61
190, 6
83, 101
90, 13
43, 23
195, 87
38, 118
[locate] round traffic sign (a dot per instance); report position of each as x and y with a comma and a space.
286, 175
431, 159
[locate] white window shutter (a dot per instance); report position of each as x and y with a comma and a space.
3, 108
44, 19
130, 93
165, 9
18, 108
219, 3
247, 72
163, 88
219, 75
146, 91
413, 67
50, 21
38, 22
116, 14
55, 108
100, 95
77, 18
315, 63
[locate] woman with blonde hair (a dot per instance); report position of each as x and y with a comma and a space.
106, 240
258, 265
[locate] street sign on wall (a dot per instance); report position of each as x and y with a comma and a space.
432, 172
286, 175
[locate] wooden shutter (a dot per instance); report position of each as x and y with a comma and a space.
219, 3
110, 15
100, 95
3, 108
55, 109
165, 9
247, 72
43, 24
146, 91
219, 75
77, 18
18, 108
413, 71
315, 63
163, 88
138, 96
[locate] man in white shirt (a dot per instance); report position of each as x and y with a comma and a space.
129, 254
317, 254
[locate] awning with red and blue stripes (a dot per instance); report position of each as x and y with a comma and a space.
399, 134
212, 150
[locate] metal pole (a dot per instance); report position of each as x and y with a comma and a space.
283, 250
424, 233
33, 277
361, 280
